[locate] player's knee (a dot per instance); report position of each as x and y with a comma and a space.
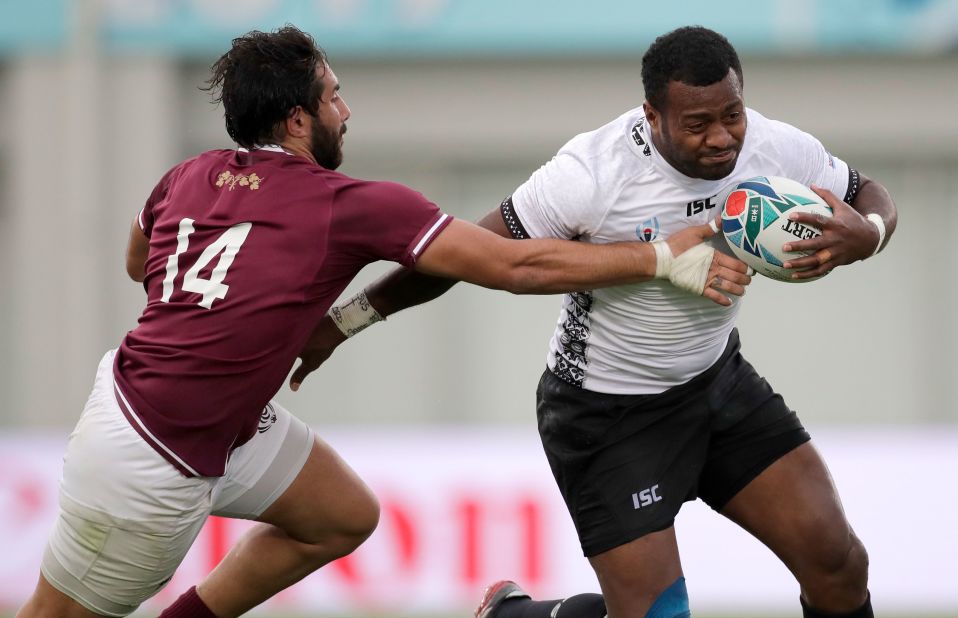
673, 602
362, 522
355, 522
842, 564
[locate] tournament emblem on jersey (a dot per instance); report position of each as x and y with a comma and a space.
648, 230
751, 207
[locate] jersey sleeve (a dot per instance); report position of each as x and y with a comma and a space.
386, 221
145, 217
807, 161
558, 200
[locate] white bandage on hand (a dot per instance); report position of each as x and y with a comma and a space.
354, 315
689, 271
663, 259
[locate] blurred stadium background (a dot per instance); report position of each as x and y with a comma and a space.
463, 100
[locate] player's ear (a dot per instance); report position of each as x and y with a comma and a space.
297, 124
651, 115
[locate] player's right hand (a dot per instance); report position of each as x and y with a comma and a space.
322, 342
725, 274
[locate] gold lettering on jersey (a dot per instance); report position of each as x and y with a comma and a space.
231, 180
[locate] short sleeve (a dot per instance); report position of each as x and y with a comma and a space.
558, 200
145, 218
807, 161
385, 221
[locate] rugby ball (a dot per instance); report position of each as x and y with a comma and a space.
755, 223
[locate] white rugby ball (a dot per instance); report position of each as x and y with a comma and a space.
756, 225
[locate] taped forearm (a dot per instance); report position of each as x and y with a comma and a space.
354, 315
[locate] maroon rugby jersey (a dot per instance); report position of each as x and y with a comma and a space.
248, 250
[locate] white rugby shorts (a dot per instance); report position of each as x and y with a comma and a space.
127, 517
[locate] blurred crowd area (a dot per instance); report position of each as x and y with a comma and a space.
463, 100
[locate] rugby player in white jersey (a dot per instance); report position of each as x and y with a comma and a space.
646, 401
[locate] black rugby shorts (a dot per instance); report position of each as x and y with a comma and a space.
625, 464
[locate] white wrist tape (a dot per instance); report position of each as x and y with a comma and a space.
354, 315
663, 259
689, 271
880, 224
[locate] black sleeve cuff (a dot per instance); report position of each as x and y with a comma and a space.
511, 220
854, 184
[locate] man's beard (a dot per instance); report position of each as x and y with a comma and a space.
326, 147
689, 164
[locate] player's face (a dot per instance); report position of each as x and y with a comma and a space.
702, 128
329, 125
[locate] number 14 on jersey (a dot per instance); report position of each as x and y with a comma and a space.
226, 246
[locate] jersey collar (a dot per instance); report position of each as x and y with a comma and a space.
266, 147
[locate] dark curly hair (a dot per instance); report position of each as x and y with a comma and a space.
262, 78
692, 55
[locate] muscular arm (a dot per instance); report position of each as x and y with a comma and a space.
137, 248
543, 266
874, 198
486, 255
402, 288
848, 236
398, 289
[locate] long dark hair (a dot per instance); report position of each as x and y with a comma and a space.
262, 78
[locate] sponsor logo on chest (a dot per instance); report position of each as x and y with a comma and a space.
696, 206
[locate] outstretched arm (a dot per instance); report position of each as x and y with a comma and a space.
402, 288
467, 252
398, 289
855, 232
487, 257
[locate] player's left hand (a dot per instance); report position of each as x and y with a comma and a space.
846, 237
323, 341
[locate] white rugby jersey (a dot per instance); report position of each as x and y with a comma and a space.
612, 184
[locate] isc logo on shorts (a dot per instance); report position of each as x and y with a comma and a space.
646, 497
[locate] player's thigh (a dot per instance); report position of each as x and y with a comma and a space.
49, 602
127, 517
624, 464
289, 477
633, 576
763, 473
793, 507
327, 500
751, 428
